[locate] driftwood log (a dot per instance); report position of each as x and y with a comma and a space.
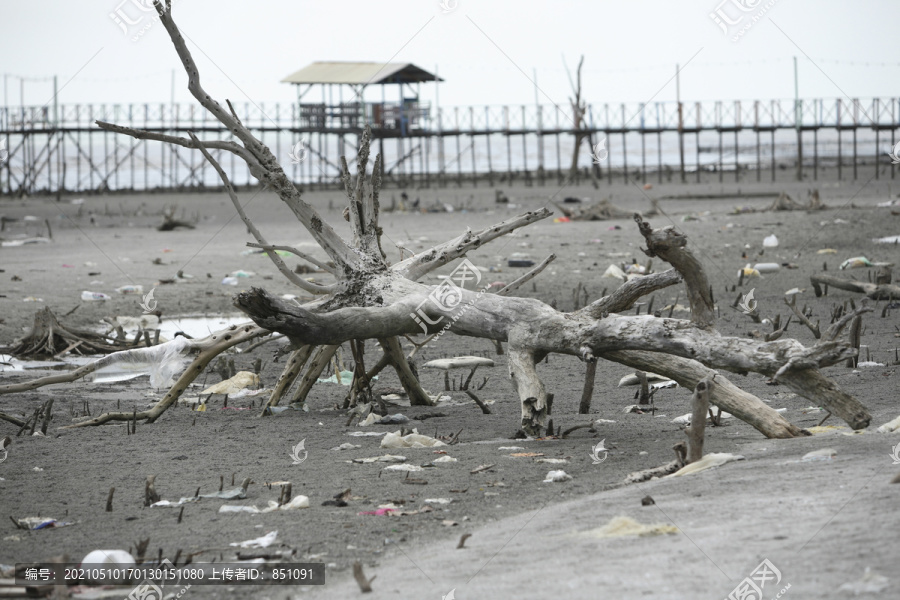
875, 291
373, 298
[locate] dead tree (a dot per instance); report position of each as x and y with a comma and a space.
579, 110
374, 299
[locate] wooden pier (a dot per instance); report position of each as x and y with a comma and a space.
57, 150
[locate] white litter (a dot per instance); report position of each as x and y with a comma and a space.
518, 447
891, 239
231, 508
686, 418
412, 440
552, 461
366, 433
869, 363
240, 381
170, 504
388, 458
347, 446
821, 454
260, 542
438, 500
770, 242
767, 267
614, 272
557, 477
871, 583
890, 426
633, 379
459, 362
403, 468
714, 459
445, 459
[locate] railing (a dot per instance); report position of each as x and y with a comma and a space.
60, 148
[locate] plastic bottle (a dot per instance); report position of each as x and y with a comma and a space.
93, 296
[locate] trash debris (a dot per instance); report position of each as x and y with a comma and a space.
521, 448
821, 454
711, 460
856, 262
379, 512
891, 239
890, 426
445, 459
412, 440
552, 461
34, 523
633, 379
557, 477
296, 502
343, 378
404, 467
826, 251
16, 243
242, 274
238, 493
374, 419
240, 381
260, 542
110, 558
871, 583
526, 454
366, 433
824, 429
230, 281
346, 446
169, 504
231, 508
770, 241
748, 271
389, 458
626, 526
130, 289
614, 272
767, 267
869, 363
603, 421
32, 299
438, 500
94, 296
685, 419
794, 291
459, 362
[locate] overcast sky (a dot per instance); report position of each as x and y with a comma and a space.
487, 50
